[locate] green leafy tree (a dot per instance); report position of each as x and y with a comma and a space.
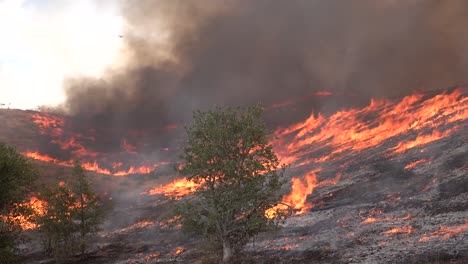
72, 212
17, 176
56, 224
89, 210
229, 155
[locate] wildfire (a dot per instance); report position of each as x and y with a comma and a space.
400, 230
350, 131
53, 126
94, 166
136, 226
177, 189
42, 157
179, 250
298, 196
371, 219
414, 164
38, 208
421, 140
445, 232
48, 124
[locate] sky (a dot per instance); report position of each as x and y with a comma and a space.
45, 41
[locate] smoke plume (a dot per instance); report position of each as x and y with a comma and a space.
185, 55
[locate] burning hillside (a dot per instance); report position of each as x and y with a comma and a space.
376, 154
62, 146
383, 183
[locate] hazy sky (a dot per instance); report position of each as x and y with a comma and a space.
44, 41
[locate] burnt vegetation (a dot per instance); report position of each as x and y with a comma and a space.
356, 105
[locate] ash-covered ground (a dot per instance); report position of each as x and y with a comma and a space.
377, 212
402, 198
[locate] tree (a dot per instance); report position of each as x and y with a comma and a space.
90, 211
72, 212
17, 176
238, 174
57, 224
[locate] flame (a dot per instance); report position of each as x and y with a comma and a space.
38, 208
400, 230
135, 226
298, 196
372, 219
42, 157
53, 126
300, 191
177, 189
350, 130
445, 232
139, 170
414, 164
49, 124
94, 166
76, 148
179, 250
421, 140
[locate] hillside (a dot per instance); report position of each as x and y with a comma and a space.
385, 183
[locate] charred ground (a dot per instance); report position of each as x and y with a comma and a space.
400, 199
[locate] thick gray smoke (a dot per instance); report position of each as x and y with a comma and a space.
184, 55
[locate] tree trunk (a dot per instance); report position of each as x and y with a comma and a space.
227, 252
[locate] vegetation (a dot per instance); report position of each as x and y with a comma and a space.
17, 176
239, 177
72, 212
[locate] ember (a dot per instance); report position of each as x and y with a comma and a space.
445, 232
179, 250
400, 230
137, 225
414, 164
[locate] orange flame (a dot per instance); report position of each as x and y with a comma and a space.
48, 124
94, 166
414, 164
298, 196
177, 189
349, 131
179, 250
445, 232
371, 219
46, 158
400, 230
38, 207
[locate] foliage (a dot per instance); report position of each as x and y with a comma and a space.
57, 225
72, 212
229, 155
90, 211
17, 176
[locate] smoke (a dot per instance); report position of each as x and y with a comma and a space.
185, 55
